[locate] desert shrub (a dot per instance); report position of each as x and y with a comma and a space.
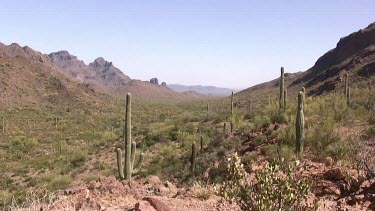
278, 152
59, 183
321, 136
77, 158
278, 117
260, 139
201, 191
274, 190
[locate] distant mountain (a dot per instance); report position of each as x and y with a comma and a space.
100, 71
206, 90
354, 54
29, 79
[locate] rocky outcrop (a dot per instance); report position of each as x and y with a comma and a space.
154, 81
164, 84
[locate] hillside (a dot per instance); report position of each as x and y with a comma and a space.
28, 79
354, 54
206, 90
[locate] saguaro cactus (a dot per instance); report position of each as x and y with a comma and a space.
281, 98
304, 96
300, 121
130, 147
225, 127
285, 97
231, 104
127, 138
192, 159
208, 108
119, 164
231, 127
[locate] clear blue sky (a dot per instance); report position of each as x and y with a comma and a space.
226, 43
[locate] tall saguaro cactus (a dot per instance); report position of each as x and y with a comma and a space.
130, 147
127, 138
231, 104
231, 127
300, 122
281, 98
224, 127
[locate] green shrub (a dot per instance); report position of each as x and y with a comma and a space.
275, 189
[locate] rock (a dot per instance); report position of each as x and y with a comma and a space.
144, 206
334, 174
331, 190
157, 204
172, 188
153, 180
154, 81
355, 183
163, 84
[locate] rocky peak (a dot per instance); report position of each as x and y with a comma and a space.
61, 56
163, 84
101, 63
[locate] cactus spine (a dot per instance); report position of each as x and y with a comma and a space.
192, 159
130, 147
281, 98
231, 104
300, 121
285, 97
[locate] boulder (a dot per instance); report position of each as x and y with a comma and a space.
334, 174
154, 81
157, 204
144, 206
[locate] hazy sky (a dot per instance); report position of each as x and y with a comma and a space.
226, 43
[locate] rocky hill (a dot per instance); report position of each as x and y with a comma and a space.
99, 71
29, 79
354, 54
